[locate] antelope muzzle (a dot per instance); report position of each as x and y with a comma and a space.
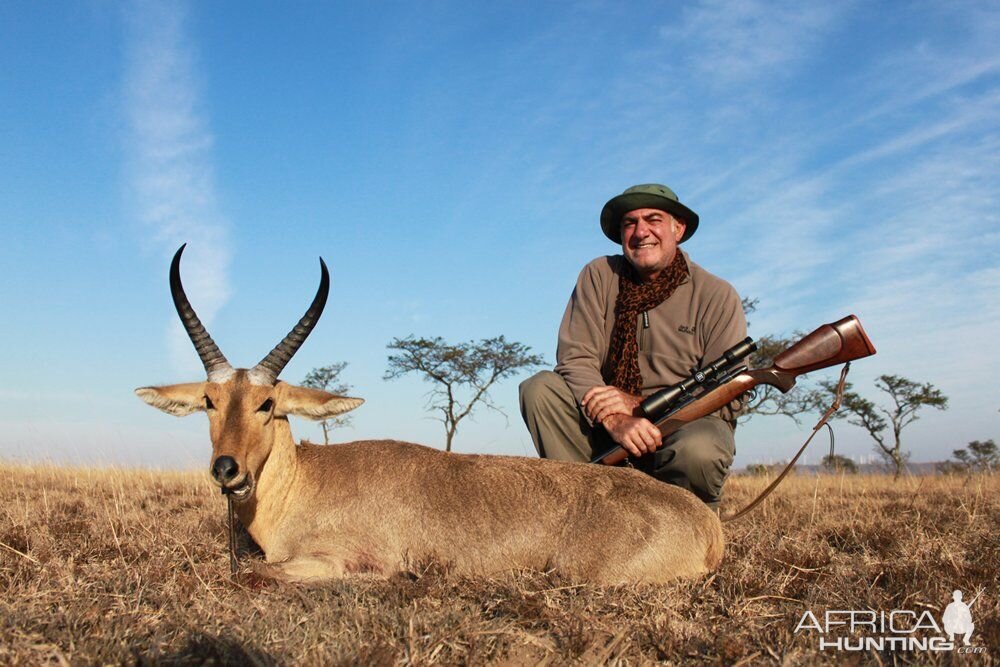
226, 473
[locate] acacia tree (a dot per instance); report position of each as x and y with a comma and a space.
765, 399
837, 463
982, 456
327, 378
464, 370
885, 424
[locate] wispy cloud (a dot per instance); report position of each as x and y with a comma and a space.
170, 175
904, 83
970, 113
734, 41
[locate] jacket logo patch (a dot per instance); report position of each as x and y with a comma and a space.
686, 329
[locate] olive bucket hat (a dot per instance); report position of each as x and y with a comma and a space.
651, 195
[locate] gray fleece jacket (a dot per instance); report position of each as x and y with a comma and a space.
701, 320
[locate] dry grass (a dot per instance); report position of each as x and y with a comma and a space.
115, 566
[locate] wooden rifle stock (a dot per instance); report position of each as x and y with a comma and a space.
831, 344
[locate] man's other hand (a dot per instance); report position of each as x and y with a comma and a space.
602, 401
637, 435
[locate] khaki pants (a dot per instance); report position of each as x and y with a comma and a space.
696, 457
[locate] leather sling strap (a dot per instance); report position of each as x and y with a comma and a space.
829, 413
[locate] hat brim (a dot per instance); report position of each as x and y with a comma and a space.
611, 214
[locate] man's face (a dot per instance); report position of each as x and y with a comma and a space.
649, 240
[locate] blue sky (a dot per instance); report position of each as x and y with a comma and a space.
449, 162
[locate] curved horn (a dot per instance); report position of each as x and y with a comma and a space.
216, 365
267, 371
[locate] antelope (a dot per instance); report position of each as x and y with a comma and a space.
376, 506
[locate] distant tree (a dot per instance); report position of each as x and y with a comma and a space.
885, 425
468, 369
327, 378
765, 469
837, 463
765, 399
951, 468
978, 457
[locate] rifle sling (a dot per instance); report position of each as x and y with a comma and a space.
829, 413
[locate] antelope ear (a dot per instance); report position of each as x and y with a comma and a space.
175, 399
311, 403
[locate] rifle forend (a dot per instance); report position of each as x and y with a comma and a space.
829, 345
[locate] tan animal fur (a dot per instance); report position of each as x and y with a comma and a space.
375, 506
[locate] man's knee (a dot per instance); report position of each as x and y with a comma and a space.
553, 418
540, 389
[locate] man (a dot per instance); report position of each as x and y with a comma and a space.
636, 323
957, 618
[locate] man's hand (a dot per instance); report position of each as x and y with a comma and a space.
637, 435
602, 401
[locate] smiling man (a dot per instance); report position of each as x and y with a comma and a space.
636, 323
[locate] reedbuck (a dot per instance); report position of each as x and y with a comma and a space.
374, 506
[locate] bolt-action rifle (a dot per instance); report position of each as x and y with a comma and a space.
727, 378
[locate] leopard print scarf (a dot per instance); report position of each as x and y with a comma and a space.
634, 296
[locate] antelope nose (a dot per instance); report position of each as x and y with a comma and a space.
224, 469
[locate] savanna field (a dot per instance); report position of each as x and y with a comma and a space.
130, 567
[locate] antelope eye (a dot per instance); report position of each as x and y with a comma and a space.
266, 406
209, 405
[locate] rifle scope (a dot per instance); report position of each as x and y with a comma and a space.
656, 405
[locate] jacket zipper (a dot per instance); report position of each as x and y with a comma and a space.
642, 331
